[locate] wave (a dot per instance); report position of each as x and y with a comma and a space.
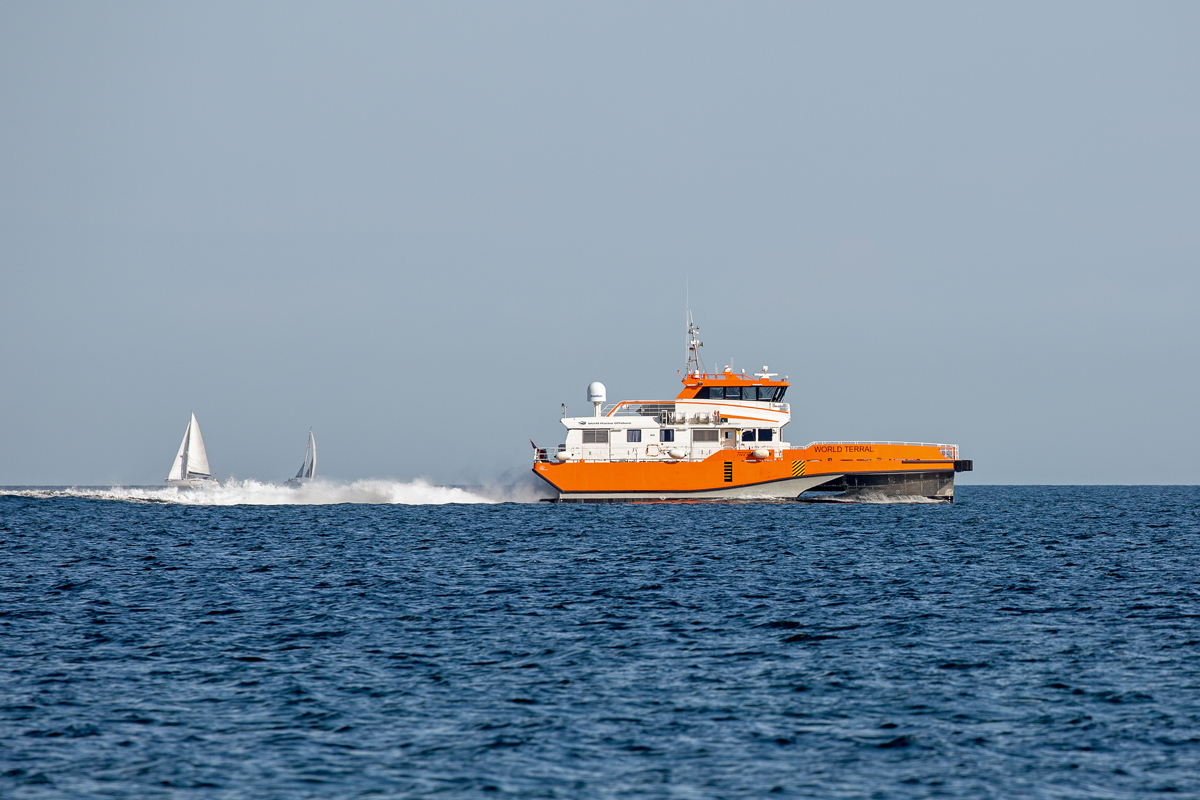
234, 492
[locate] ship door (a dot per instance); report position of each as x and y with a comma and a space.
728, 438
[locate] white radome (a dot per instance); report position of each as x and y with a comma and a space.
596, 392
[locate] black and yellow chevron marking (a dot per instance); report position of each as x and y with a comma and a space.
729, 472
797, 469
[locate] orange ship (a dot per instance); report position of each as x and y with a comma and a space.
721, 438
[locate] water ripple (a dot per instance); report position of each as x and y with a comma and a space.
1023, 641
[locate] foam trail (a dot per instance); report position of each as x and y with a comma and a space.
879, 497
235, 492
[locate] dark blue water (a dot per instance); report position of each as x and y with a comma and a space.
1033, 642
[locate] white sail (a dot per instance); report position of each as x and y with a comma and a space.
308, 468
176, 472
197, 457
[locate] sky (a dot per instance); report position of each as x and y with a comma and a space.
420, 228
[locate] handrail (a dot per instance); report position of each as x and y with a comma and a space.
918, 444
544, 454
614, 409
940, 446
611, 409
724, 376
548, 454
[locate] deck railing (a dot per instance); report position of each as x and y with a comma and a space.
655, 408
947, 450
547, 453
633, 408
696, 451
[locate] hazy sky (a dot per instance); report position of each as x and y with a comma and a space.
420, 228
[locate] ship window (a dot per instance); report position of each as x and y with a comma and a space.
633, 436
668, 435
762, 394
595, 437
703, 435
764, 434
748, 436
728, 434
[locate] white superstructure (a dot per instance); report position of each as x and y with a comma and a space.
737, 412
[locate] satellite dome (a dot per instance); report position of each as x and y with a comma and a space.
596, 393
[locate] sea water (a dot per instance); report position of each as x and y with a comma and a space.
1022, 642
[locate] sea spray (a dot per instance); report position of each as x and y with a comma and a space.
234, 492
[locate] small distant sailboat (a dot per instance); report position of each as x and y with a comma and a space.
308, 470
191, 463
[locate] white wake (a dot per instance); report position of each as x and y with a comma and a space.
867, 496
233, 492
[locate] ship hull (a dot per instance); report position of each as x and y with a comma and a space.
937, 486
855, 471
192, 483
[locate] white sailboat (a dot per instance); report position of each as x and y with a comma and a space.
308, 469
190, 468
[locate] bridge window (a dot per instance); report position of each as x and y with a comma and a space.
595, 437
633, 435
764, 434
748, 436
761, 394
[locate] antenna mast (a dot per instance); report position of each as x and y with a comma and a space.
694, 364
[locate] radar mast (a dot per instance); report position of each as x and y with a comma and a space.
694, 364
